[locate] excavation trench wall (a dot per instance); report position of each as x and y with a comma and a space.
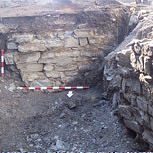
61, 49
128, 77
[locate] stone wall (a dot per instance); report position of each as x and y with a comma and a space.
128, 76
62, 49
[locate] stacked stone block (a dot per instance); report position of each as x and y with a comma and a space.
62, 49
134, 69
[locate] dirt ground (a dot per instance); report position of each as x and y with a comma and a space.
12, 8
50, 121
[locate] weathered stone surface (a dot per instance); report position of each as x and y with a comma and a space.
12, 45
123, 60
30, 67
148, 65
133, 126
142, 103
27, 58
48, 67
54, 43
89, 53
131, 85
52, 74
150, 110
148, 136
62, 68
21, 38
82, 33
71, 73
71, 42
48, 54
41, 83
9, 58
62, 52
32, 76
83, 41
151, 123
125, 112
4, 29
31, 47
58, 61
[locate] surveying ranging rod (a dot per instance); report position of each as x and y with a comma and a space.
52, 88
2, 63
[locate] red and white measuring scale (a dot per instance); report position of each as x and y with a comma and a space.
52, 88
2, 63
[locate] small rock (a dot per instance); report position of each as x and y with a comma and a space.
39, 146
22, 150
31, 145
12, 87
72, 105
74, 122
103, 102
62, 115
29, 139
34, 136
60, 145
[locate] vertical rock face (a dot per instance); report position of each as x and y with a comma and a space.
129, 73
63, 49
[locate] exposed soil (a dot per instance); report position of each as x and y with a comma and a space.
50, 121
10, 8
44, 122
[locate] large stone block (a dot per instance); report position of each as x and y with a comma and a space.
71, 73
148, 136
142, 103
30, 67
22, 38
123, 60
71, 42
9, 58
12, 45
125, 112
131, 85
64, 52
58, 61
31, 47
83, 41
83, 33
4, 29
48, 54
89, 53
148, 65
41, 83
63, 68
151, 123
150, 110
48, 67
30, 76
52, 74
27, 58
133, 125
54, 43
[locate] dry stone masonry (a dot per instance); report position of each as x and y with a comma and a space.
128, 76
61, 49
